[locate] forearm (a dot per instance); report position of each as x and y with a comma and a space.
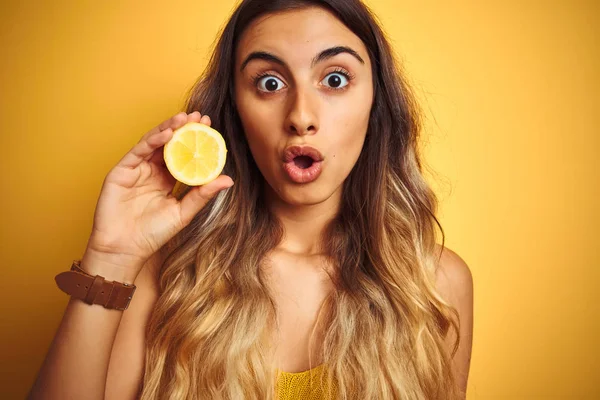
77, 361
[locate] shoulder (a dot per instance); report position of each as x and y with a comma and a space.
454, 280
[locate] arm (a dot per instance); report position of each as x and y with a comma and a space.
126, 367
77, 362
455, 284
136, 214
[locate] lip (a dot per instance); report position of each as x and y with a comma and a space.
294, 151
302, 175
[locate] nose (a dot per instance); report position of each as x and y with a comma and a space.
302, 118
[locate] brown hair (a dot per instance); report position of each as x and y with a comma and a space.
385, 325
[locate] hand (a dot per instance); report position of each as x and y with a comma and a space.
136, 213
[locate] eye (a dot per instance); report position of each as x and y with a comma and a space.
336, 80
269, 83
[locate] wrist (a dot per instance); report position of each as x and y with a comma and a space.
111, 267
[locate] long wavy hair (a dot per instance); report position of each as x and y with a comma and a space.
384, 323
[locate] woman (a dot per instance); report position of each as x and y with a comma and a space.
316, 273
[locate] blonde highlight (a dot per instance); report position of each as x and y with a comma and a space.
384, 324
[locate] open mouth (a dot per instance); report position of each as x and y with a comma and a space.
303, 162
302, 154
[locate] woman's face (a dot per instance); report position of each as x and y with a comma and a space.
303, 90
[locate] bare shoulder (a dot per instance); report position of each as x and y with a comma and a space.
454, 282
454, 279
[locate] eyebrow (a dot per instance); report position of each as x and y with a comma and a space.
322, 56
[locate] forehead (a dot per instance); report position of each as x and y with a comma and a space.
297, 35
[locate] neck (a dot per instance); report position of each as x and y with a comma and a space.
303, 225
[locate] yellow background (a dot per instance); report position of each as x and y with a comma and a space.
510, 90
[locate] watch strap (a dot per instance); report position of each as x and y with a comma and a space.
94, 289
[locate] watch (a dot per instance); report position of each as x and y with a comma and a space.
94, 289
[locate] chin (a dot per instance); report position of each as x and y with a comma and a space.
304, 194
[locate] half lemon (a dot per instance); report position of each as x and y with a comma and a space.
196, 154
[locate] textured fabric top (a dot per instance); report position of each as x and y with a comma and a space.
306, 385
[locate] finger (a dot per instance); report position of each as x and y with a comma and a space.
206, 120
158, 157
163, 125
194, 117
174, 122
179, 121
145, 149
153, 140
197, 198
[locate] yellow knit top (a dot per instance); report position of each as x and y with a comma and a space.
304, 385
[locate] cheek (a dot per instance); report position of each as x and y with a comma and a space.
350, 127
347, 151
257, 122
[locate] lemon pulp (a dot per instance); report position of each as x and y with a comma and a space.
196, 154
